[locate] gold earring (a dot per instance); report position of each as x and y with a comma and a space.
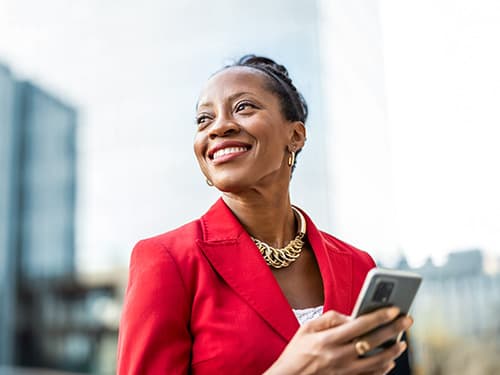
209, 183
291, 158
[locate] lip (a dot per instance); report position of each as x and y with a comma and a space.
224, 145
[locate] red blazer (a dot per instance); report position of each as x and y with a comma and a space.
201, 299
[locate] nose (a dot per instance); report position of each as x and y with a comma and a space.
223, 127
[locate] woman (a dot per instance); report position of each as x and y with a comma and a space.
224, 294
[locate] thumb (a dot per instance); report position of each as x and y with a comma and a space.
328, 320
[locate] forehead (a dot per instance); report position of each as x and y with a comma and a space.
234, 80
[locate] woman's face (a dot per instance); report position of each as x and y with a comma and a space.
243, 140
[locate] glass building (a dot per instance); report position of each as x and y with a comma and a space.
8, 213
37, 203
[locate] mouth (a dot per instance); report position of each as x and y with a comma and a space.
227, 150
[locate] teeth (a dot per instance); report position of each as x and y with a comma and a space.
228, 150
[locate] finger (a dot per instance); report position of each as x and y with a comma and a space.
346, 354
382, 370
379, 360
389, 367
328, 320
361, 325
387, 332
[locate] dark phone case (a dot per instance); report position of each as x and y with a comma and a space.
405, 287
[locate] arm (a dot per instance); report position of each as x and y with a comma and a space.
154, 337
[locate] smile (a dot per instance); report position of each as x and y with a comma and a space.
228, 151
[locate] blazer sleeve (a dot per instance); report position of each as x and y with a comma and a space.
154, 335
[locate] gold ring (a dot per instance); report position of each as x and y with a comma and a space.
362, 347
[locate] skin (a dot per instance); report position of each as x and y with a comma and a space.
237, 109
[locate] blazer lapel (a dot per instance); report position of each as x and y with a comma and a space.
235, 257
335, 266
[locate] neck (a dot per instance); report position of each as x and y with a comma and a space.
268, 218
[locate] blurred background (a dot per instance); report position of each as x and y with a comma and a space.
97, 113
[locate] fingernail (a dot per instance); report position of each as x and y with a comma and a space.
405, 323
402, 346
393, 312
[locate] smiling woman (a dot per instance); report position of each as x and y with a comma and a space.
243, 139
252, 286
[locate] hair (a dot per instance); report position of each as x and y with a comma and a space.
293, 104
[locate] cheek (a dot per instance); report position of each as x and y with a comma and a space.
199, 152
198, 147
273, 142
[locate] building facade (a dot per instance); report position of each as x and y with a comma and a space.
37, 203
8, 213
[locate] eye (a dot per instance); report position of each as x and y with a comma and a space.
241, 106
202, 120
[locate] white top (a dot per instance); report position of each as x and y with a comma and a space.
304, 315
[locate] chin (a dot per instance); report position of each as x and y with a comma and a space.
229, 188
230, 185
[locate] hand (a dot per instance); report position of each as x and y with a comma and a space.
327, 345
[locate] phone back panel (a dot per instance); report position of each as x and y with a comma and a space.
384, 288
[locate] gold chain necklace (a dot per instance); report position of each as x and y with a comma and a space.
279, 258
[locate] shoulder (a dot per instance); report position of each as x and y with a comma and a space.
359, 257
169, 258
173, 241
217, 224
172, 248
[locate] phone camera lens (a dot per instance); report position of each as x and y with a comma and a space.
383, 291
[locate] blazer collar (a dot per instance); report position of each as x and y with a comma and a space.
335, 266
232, 253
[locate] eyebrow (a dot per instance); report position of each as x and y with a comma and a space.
230, 99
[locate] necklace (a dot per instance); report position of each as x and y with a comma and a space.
279, 258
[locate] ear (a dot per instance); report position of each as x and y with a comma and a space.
297, 136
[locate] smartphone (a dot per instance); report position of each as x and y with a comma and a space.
384, 288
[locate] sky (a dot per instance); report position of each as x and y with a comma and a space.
443, 93
442, 89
